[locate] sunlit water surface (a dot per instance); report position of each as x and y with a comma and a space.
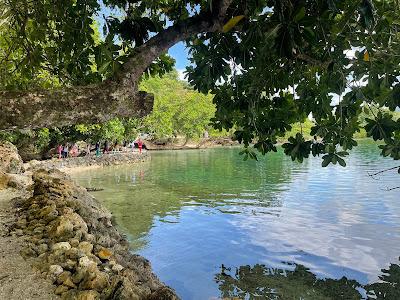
190, 212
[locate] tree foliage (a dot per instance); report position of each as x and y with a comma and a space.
178, 109
268, 63
291, 60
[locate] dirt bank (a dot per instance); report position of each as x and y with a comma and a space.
17, 279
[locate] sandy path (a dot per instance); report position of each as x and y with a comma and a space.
17, 279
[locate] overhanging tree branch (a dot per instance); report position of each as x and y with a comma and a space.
115, 97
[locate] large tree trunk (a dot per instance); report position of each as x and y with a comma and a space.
117, 97
74, 105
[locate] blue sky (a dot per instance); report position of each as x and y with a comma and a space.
180, 53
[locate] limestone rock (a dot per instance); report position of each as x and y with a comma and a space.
10, 161
28, 252
55, 270
68, 282
163, 293
86, 262
104, 254
4, 180
60, 289
88, 295
88, 257
64, 246
42, 248
117, 268
85, 247
63, 277
74, 242
64, 228
100, 282
73, 253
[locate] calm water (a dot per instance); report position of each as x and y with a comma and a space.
215, 226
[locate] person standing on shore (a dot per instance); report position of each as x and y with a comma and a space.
140, 145
88, 149
59, 150
97, 149
106, 148
65, 150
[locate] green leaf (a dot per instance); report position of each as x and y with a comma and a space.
326, 161
300, 14
341, 161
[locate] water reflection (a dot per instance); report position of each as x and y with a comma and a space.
190, 211
297, 282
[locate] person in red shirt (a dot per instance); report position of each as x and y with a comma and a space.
59, 150
140, 145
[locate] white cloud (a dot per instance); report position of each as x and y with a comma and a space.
182, 75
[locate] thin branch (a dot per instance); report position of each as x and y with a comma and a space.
382, 171
313, 61
393, 188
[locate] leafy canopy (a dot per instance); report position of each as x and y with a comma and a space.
274, 63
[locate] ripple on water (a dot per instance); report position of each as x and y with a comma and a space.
190, 213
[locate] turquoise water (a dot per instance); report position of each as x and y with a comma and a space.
214, 226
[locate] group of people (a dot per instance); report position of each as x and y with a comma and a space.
66, 150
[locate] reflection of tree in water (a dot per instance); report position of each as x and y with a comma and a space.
389, 286
261, 282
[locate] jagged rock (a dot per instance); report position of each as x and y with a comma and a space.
68, 282
61, 289
70, 295
98, 283
163, 293
79, 275
55, 270
104, 160
64, 229
70, 264
4, 180
28, 252
10, 161
104, 254
74, 242
42, 248
76, 227
85, 247
117, 268
63, 276
88, 295
64, 246
73, 253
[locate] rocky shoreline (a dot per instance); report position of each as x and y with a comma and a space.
205, 143
68, 238
67, 164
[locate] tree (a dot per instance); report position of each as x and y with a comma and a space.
178, 109
269, 63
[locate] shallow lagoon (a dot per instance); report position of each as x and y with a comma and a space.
216, 226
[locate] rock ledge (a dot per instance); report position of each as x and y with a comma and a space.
70, 240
